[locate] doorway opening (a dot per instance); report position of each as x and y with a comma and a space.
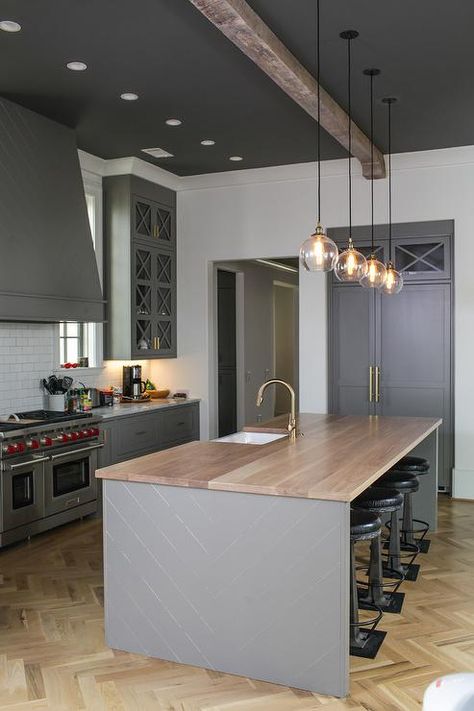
257, 338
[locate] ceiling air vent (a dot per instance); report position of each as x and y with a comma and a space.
157, 152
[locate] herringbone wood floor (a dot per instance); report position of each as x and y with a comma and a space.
53, 656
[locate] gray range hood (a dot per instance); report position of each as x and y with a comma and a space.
48, 270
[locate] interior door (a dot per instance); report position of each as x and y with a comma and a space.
352, 351
227, 352
414, 353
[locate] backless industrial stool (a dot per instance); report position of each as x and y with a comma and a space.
418, 466
407, 485
365, 526
382, 501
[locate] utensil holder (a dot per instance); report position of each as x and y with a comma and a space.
57, 403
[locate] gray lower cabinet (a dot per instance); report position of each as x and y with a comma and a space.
140, 269
135, 435
407, 337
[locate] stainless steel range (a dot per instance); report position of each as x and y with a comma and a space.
48, 462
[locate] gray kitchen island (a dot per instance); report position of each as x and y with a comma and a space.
235, 557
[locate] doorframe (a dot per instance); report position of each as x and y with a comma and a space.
404, 230
239, 345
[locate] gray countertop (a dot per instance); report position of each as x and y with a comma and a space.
140, 408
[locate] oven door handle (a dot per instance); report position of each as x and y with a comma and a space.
29, 463
75, 451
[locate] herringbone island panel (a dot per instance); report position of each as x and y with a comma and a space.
53, 655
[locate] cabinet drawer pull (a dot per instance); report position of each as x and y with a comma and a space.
138, 434
180, 424
71, 502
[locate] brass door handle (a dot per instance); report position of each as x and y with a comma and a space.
377, 383
371, 383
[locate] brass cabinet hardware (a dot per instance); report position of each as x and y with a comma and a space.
156, 343
371, 383
377, 383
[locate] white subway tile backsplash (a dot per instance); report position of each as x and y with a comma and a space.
27, 355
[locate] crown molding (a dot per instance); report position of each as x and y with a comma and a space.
439, 158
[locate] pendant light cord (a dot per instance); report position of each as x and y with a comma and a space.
390, 180
318, 64
349, 97
372, 157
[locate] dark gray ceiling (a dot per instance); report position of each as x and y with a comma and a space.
181, 66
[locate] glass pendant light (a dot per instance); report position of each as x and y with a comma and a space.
351, 265
318, 253
376, 272
393, 283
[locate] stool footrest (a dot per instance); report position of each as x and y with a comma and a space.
411, 572
394, 602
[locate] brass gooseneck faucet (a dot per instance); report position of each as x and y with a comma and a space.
292, 416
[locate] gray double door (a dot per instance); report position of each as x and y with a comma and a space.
392, 355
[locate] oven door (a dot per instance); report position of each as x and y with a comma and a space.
70, 479
22, 492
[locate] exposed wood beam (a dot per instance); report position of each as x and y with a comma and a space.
237, 21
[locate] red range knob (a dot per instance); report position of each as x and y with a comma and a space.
95, 431
47, 441
33, 444
21, 447
65, 437
74, 436
82, 434
12, 449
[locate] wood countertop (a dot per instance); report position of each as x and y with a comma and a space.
336, 459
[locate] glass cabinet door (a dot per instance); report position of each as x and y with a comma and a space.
153, 222
165, 337
164, 225
143, 222
423, 258
142, 334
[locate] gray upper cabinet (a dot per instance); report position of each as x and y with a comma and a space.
423, 258
140, 258
154, 222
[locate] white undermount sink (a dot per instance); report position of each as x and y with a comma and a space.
251, 437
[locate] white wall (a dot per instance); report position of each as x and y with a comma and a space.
268, 212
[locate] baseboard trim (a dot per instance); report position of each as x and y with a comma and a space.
463, 484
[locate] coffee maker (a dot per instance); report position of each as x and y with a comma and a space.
133, 386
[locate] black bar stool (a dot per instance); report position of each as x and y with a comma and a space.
420, 467
412, 465
406, 484
365, 526
380, 501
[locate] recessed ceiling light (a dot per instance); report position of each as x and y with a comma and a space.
157, 152
173, 122
208, 142
10, 26
235, 158
77, 66
129, 96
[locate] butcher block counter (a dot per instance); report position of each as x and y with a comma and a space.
335, 458
235, 557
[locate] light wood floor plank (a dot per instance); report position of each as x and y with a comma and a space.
53, 654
